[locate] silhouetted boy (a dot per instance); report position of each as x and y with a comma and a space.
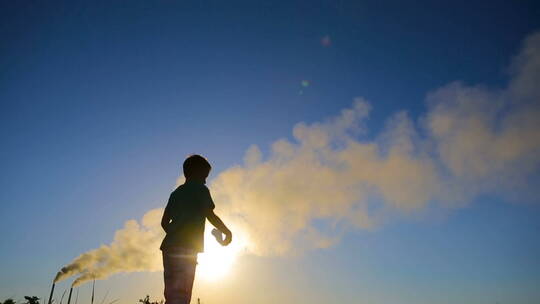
183, 221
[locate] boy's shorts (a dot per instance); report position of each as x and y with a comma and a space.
178, 272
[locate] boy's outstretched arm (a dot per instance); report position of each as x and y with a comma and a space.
218, 223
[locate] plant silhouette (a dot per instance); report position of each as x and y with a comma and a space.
146, 300
31, 300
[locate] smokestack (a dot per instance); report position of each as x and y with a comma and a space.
93, 285
69, 297
52, 291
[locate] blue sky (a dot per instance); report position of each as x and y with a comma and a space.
101, 102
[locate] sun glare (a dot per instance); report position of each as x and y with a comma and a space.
216, 261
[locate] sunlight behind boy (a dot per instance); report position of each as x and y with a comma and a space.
216, 261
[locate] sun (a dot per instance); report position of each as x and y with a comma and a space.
216, 261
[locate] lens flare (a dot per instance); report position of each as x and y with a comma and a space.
326, 41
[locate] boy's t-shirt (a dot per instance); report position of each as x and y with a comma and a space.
187, 208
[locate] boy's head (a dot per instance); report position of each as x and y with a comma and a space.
196, 167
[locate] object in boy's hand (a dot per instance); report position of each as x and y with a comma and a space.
218, 235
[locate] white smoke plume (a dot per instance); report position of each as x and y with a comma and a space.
330, 178
134, 248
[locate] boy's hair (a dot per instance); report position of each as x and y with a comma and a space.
195, 164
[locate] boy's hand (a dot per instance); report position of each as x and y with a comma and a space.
219, 236
221, 228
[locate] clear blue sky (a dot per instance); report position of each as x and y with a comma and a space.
101, 102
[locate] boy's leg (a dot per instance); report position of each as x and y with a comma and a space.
178, 273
